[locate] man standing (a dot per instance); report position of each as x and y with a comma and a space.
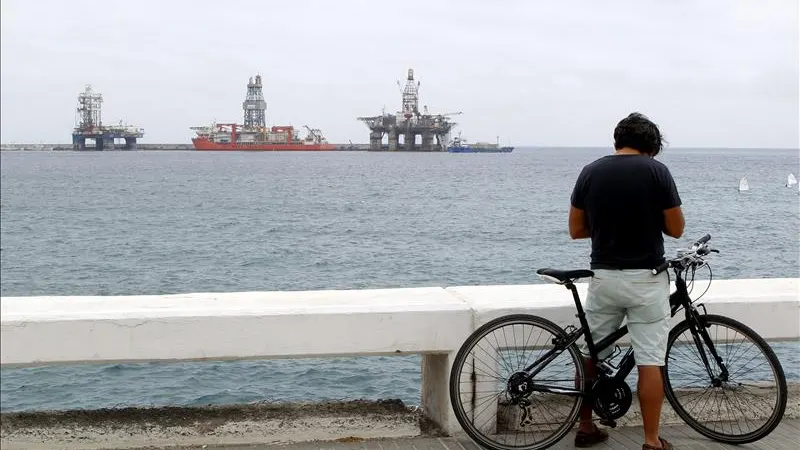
624, 202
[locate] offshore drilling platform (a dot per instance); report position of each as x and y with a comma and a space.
89, 125
409, 123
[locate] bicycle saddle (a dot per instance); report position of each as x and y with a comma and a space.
565, 275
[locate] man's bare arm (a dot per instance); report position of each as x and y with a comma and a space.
673, 222
578, 224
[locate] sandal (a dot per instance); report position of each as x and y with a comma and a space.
596, 436
664, 445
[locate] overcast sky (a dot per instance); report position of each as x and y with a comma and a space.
720, 73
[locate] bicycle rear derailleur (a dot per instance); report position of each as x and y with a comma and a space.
519, 387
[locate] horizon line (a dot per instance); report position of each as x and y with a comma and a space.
682, 147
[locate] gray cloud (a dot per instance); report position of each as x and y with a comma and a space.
711, 73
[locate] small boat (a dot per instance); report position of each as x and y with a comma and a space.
743, 185
460, 145
791, 180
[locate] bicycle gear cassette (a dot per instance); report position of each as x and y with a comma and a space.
611, 398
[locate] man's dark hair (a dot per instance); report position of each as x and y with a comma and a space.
638, 132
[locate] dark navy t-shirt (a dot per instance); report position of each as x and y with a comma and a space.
624, 197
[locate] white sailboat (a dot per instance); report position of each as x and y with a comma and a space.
743, 186
791, 180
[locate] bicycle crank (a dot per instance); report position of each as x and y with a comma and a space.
611, 399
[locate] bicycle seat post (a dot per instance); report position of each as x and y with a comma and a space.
569, 284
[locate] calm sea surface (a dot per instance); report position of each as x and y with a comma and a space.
120, 223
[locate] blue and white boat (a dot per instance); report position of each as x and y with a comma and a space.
460, 145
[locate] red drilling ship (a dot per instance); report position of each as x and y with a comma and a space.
253, 135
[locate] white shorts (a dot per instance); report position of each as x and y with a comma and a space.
637, 296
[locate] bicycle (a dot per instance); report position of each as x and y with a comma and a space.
554, 384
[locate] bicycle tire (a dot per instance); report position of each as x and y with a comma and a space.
697, 424
467, 348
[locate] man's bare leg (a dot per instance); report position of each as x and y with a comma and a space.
586, 424
588, 433
651, 397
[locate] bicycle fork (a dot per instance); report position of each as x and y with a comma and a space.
699, 330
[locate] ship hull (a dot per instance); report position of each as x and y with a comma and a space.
462, 149
206, 145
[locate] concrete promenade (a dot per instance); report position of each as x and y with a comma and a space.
785, 437
329, 426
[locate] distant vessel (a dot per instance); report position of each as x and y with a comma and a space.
791, 180
743, 186
254, 135
460, 145
229, 136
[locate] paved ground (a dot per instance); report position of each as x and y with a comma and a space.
786, 436
379, 425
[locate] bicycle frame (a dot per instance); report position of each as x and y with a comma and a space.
678, 299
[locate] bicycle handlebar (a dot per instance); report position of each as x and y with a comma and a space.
702, 240
662, 267
684, 259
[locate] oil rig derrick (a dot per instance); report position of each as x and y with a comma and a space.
408, 123
89, 125
254, 105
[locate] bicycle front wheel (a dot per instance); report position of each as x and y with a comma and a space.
740, 406
487, 364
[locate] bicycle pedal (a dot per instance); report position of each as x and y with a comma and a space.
608, 423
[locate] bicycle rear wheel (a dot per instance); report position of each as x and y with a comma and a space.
743, 406
479, 380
